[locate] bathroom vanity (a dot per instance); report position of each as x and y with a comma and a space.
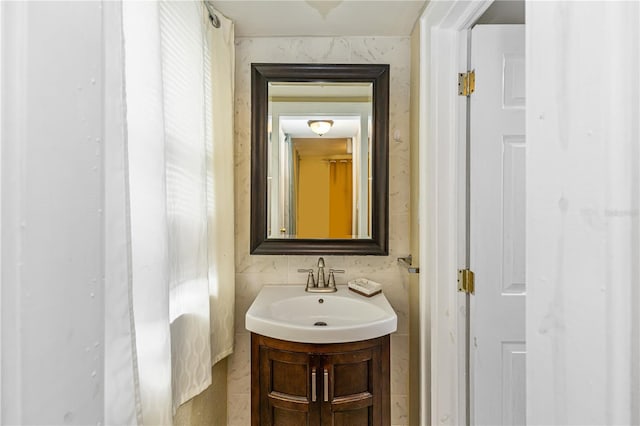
320, 359
319, 384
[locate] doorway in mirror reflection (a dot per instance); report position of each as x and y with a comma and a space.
325, 203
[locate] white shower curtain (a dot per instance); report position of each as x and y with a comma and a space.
221, 198
169, 309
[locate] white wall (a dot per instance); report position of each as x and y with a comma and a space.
583, 197
414, 279
51, 220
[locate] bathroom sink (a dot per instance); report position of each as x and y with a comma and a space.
287, 312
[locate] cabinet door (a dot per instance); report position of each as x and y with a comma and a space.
286, 393
353, 392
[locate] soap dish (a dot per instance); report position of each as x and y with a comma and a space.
365, 287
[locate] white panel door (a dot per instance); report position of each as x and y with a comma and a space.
497, 226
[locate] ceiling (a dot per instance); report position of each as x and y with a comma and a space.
291, 18
504, 12
343, 126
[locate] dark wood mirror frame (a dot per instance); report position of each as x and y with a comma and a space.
261, 76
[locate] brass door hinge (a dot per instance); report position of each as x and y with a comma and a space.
466, 83
465, 281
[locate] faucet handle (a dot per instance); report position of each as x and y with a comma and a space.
311, 281
332, 278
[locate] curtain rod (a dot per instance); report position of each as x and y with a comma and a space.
212, 16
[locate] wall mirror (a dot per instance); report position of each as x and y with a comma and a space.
319, 159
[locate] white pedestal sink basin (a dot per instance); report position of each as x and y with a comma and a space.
287, 312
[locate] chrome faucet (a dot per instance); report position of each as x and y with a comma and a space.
331, 282
320, 285
311, 281
320, 281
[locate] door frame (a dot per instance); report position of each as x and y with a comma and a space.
444, 28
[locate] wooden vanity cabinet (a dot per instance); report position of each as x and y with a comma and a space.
319, 384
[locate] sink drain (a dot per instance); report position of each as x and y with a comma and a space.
320, 323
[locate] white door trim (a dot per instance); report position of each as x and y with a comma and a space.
443, 35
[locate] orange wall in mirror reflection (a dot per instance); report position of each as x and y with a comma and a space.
324, 198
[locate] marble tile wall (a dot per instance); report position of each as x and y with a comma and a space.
252, 272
